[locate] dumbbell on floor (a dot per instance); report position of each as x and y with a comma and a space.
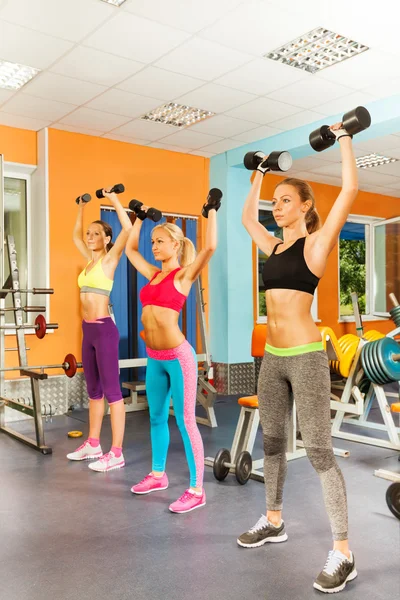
354, 121
223, 464
85, 198
118, 188
276, 161
152, 213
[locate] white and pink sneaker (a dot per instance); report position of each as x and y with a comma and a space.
190, 500
150, 484
108, 462
86, 452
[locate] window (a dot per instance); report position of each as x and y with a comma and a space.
15, 223
385, 258
265, 217
353, 262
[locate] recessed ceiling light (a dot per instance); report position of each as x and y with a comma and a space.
114, 2
316, 50
177, 115
373, 160
13, 76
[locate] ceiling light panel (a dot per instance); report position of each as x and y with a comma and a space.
317, 50
13, 76
114, 2
177, 115
373, 160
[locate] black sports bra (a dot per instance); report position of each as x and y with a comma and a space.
289, 271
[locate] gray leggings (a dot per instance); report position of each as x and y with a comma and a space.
304, 377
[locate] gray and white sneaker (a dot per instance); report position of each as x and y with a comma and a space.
86, 452
262, 532
338, 570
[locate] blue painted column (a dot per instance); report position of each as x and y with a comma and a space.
231, 269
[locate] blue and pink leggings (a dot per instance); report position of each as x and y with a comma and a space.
174, 372
100, 359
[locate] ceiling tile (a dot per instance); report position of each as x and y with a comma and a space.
215, 98
395, 186
73, 129
146, 130
374, 178
5, 95
259, 133
386, 88
123, 103
64, 89
319, 178
381, 190
27, 47
263, 111
189, 139
98, 67
171, 148
202, 153
161, 84
380, 144
191, 17
345, 103
334, 154
37, 108
223, 126
361, 71
262, 76
389, 169
332, 169
22, 122
394, 152
306, 164
94, 119
309, 92
135, 38
203, 59
298, 120
222, 146
70, 20
257, 27
128, 140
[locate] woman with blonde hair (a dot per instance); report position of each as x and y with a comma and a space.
172, 364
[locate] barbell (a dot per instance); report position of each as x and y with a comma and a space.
69, 366
32, 291
40, 326
27, 309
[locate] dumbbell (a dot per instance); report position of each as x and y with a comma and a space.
354, 121
118, 188
213, 201
85, 198
276, 161
152, 213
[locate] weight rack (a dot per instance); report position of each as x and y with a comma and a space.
13, 284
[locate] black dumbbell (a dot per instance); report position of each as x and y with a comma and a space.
152, 213
85, 198
117, 189
354, 121
276, 161
213, 201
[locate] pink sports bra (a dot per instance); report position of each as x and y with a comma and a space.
163, 294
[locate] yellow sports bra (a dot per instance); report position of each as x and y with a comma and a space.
95, 281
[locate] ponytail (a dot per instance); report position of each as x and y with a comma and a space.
313, 222
188, 252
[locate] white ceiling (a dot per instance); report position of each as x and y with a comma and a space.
104, 67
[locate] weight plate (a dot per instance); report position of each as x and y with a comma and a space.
40, 326
70, 360
75, 434
219, 469
393, 499
243, 467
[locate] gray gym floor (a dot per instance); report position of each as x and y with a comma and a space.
68, 533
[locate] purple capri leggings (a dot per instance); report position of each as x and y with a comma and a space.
100, 359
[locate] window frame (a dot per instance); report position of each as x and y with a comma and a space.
369, 223
378, 222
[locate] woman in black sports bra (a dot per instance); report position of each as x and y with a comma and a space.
295, 363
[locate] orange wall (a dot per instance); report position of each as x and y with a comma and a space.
373, 205
170, 181
18, 145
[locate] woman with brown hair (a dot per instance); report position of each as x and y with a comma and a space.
295, 365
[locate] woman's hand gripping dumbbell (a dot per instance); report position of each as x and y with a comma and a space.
353, 122
213, 202
145, 212
275, 161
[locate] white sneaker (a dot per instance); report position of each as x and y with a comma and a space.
108, 462
86, 452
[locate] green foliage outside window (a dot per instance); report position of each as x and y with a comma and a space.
352, 274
